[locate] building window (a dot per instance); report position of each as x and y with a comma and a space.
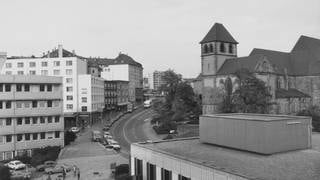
49, 119
8, 65
32, 72
42, 87
180, 177
42, 135
20, 64
84, 99
1, 87
56, 119
69, 80
26, 87
56, 72
49, 87
57, 134
68, 71
34, 104
69, 98
27, 120
166, 174
7, 87
19, 137
205, 48
44, 72
42, 120
68, 63
69, 106
27, 104
211, 47
222, 49
27, 136
278, 83
56, 63
1, 106
49, 103
34, 120
44, 64
19, 87
20, 72
69, 89
19, 121
151, 172
32, 64
8, 105
138, 168
19, 104
84, 108
230, 48
8, 138
35, 136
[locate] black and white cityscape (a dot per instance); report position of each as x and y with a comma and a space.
160, 90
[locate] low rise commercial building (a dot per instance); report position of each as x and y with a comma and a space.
91, 99
116, 95
31, 114
233, 147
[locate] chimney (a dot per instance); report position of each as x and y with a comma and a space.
74, 52
60, 51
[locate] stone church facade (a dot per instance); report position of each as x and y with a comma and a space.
293, 78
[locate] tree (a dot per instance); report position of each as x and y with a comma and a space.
69, 136
314, 112
252, 95
226, 106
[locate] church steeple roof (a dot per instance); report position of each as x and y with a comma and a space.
218, 33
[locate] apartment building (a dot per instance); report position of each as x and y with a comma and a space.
124, 68
91, 99
31, 114
60, 63
158, 79
116, 95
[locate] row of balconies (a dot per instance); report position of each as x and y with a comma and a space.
30, 95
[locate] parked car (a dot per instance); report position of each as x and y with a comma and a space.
106, 133
96, 136
109, 147
107, 136
58, 169
104, 142
15, 165
45, 165
115, 145
105, 128
75, 129
18, 175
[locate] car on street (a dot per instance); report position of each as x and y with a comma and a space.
15, 165
96, 136
115, 145
45, 165
107, 136
58, 169
21, 174
109, 147
106, 128
75, 129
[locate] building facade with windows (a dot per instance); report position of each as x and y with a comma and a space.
31, 114
59, 63
91, 99
116, 95
158, 79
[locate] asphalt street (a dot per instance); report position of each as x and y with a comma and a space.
129, 129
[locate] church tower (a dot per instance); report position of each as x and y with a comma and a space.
217, 46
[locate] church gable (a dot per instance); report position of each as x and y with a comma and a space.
264, 66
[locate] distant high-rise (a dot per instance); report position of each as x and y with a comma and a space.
158, 79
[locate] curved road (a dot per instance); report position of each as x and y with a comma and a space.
129, 129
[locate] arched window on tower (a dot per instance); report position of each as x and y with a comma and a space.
230, 48
222, 47
205, 49
211, 48
278, 81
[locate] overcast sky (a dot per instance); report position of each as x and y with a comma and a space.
160, 34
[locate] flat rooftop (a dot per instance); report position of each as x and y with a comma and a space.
300, 164
257, 117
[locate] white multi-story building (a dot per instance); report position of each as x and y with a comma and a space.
60, 63
158, 79
124, 68
91, 98
30, 114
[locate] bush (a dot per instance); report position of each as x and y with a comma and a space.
122, 169
40, 155
4, 173
69, 136
168, 137
165, 127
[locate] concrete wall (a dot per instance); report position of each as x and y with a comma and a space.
116, 72
177, 166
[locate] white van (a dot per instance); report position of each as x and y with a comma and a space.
147, 103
